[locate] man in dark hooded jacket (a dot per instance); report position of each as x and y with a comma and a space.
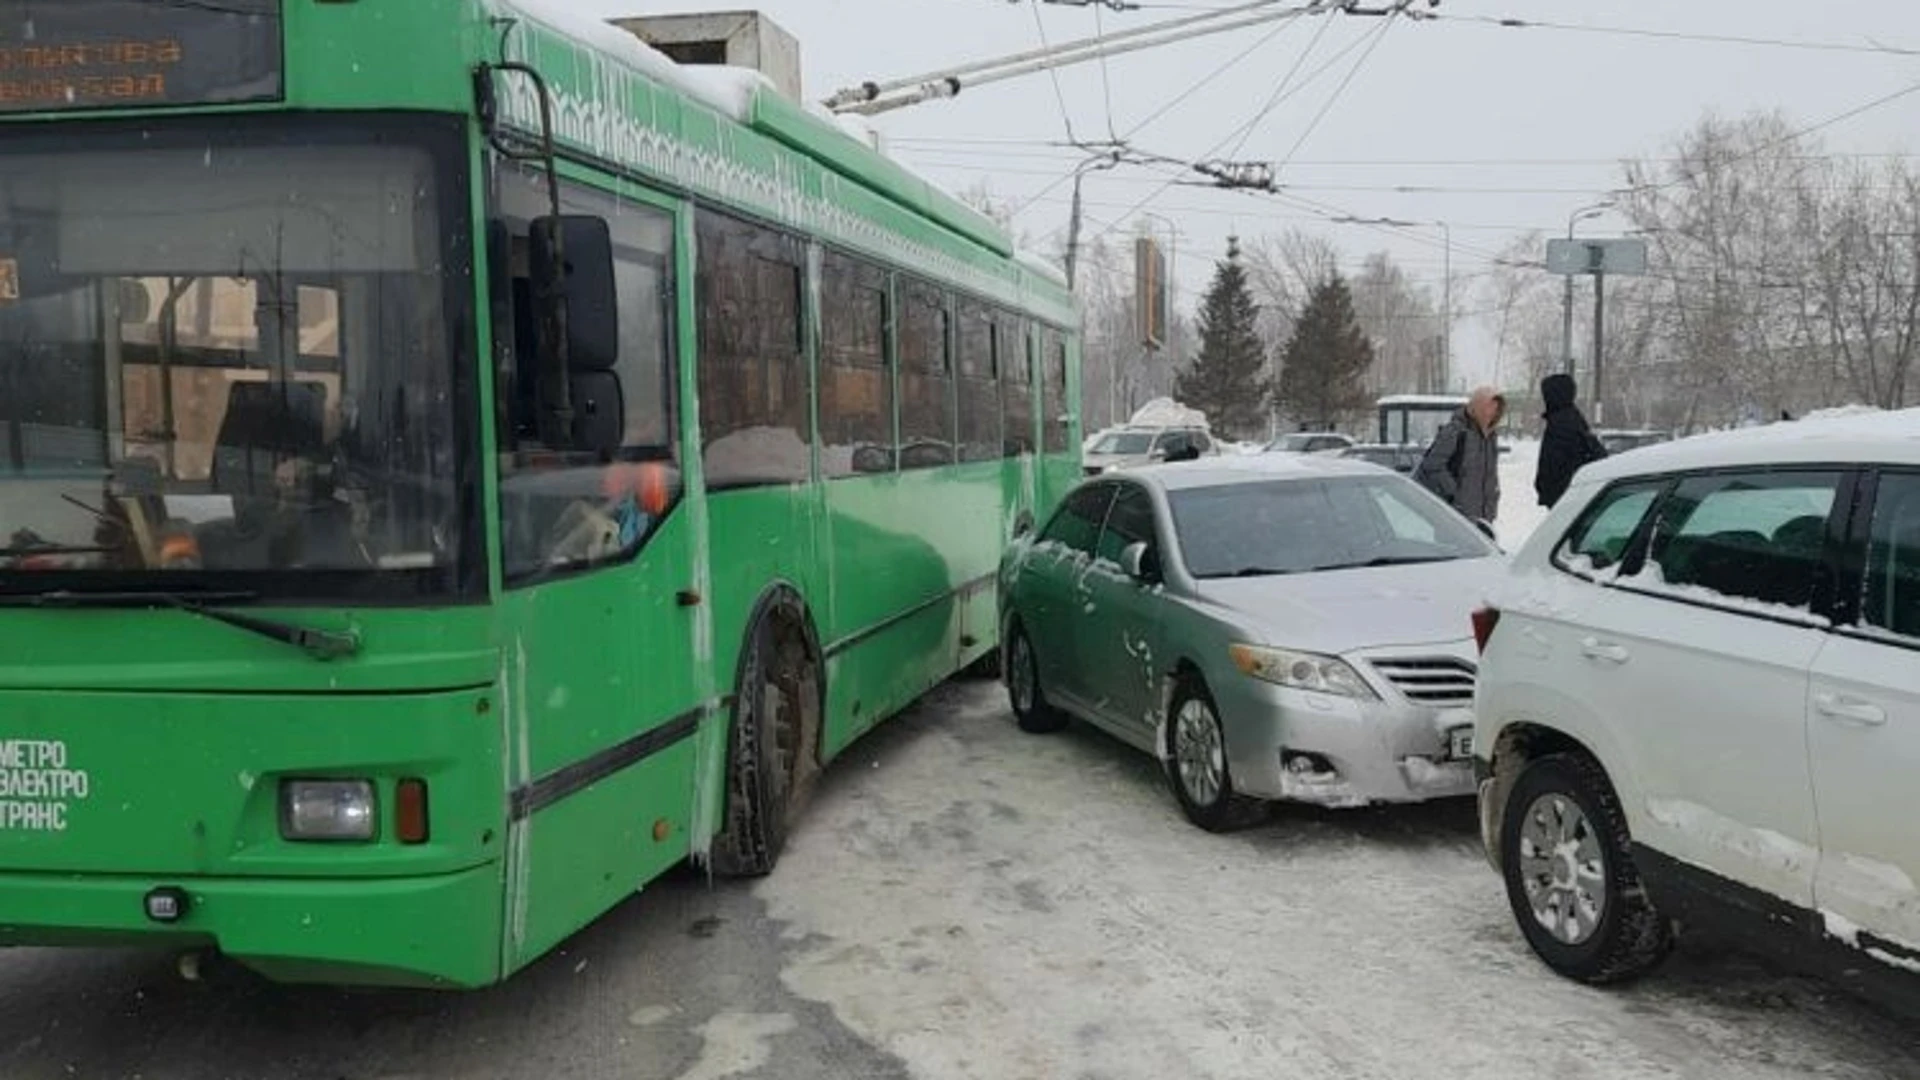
1568, 443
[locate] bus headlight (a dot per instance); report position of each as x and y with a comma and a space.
326, 810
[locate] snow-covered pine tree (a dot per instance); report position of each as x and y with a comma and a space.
1323, 374
1227, 380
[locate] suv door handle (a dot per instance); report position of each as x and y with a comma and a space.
1849, 709
1595, 649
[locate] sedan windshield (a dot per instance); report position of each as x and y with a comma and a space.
1295, 526
1124, 442
226, 352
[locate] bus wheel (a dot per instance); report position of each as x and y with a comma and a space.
773, 751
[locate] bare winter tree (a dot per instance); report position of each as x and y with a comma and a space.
1782, 279
1404, 323
1859, 280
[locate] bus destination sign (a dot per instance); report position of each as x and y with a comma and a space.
123, 54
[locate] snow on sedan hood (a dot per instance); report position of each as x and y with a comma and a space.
1339, 611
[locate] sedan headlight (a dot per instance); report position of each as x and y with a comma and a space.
1301, 671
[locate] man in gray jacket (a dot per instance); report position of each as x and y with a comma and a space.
1463, 464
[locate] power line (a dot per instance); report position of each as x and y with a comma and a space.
1280, 89
1790, 137
1048, 148
1106, 76
1163, 188
1672, 35
1063, 178
1379, 36
1059, 95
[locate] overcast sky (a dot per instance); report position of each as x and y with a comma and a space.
1518, 127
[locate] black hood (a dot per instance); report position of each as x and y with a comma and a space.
1558, 391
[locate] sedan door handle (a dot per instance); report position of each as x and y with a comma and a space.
1849, 709
1595, 649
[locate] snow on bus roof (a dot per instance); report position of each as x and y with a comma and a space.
566, 17
728, 90
1454, 400
1037, 263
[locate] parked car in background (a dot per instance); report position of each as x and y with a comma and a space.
1271, 627
1129, 446
1619, 441
1399, 458
1699, 700
1309, 442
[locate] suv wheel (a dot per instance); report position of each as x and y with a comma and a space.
1568, 864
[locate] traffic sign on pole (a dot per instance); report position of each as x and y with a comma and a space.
1622, 256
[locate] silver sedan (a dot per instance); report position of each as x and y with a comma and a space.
1271, 628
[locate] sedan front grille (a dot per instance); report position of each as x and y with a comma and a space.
1442, 681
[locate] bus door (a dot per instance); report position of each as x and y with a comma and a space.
606, 686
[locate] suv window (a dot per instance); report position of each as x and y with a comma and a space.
1129, 522
1077, 525
1748, 536
1599, 539
1892, 600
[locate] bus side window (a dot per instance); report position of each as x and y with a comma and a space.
856, 381
979, 390
754, 410
1016, 383
926, 377
1053, 393
565, 509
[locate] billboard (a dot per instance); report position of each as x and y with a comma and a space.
1150, 292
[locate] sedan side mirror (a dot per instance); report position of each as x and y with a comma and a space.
1138, 561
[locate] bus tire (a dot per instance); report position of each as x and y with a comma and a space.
774, 739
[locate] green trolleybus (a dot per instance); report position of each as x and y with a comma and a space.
456, 464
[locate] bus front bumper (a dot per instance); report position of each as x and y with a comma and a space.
434, 931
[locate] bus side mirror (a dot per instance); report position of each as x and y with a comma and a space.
571, 271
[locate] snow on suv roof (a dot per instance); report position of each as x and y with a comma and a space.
1890, 437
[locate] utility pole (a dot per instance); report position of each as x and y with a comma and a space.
1566, 330
1599, 340
1446, 349
1105, 161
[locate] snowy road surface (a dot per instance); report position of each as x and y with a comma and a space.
963, 901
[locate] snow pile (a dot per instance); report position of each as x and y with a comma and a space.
1841, 412
1520, 509
1165, 412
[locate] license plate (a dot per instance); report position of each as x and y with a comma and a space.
1460, 743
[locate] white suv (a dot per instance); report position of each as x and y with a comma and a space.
1699, 703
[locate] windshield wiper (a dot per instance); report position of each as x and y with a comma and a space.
1252, 571
319, 644
1387, 560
